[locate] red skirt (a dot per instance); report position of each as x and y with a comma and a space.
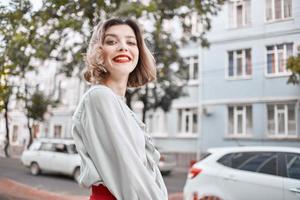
100, 192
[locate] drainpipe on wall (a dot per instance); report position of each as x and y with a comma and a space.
200, 105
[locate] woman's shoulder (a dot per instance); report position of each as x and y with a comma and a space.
97, 96
98, 91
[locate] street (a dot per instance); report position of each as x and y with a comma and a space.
13, 169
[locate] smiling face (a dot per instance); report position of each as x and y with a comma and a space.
119, 50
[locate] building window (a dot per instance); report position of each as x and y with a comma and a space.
197, 25
57, 131
15, 133
239, 63
187, 120
156, 121
278, 9
193, 67
277, 56
239, 120
281, 120
239, 13
35, 130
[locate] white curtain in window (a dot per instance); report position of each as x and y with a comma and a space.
287, 8
280, 58
231, 15
239, 15
291, 119
269, 10
281, 115
230, 120
248, 62
248, 12
271, 119
230, 64
278, 9
239, 63
249, 123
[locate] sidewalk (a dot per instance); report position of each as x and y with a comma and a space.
12, 190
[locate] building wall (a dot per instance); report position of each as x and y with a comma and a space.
217, 91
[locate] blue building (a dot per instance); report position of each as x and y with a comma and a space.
238, 91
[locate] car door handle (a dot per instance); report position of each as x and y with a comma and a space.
230, 178
297, 190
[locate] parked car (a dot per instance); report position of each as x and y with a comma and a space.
55, 155
65, 159
166, 163
247, 173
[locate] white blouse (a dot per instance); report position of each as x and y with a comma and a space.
115, 149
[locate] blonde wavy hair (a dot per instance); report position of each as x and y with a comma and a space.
95, 71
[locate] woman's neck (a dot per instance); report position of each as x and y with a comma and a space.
119, 87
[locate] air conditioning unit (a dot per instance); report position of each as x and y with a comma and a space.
207, 110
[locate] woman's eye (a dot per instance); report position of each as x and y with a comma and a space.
131, 43
110, 42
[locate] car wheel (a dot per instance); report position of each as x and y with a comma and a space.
76, 174
35, 169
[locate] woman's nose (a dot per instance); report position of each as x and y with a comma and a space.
123, 47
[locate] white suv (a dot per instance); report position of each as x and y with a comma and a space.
55, 155
246, 173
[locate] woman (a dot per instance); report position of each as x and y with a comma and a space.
119, 160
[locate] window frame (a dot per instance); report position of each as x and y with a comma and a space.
14, 139
243, 113
181, 122
273, 12
158, 118
232, 9
275, 51
62, 133
191, 61
244, 64
286, 134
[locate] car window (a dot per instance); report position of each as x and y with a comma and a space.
205, 156
293, 165
72, 149
262, 162
47, 147
35, 146
226, 160
235, 160
61, 148
270, 166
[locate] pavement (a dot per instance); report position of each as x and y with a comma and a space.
13, 190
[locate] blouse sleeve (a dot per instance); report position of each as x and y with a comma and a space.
112, 152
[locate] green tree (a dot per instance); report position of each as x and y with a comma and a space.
36, 107
293, 65
63, 20
59, 31
5, 93
14, 46
22, 44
